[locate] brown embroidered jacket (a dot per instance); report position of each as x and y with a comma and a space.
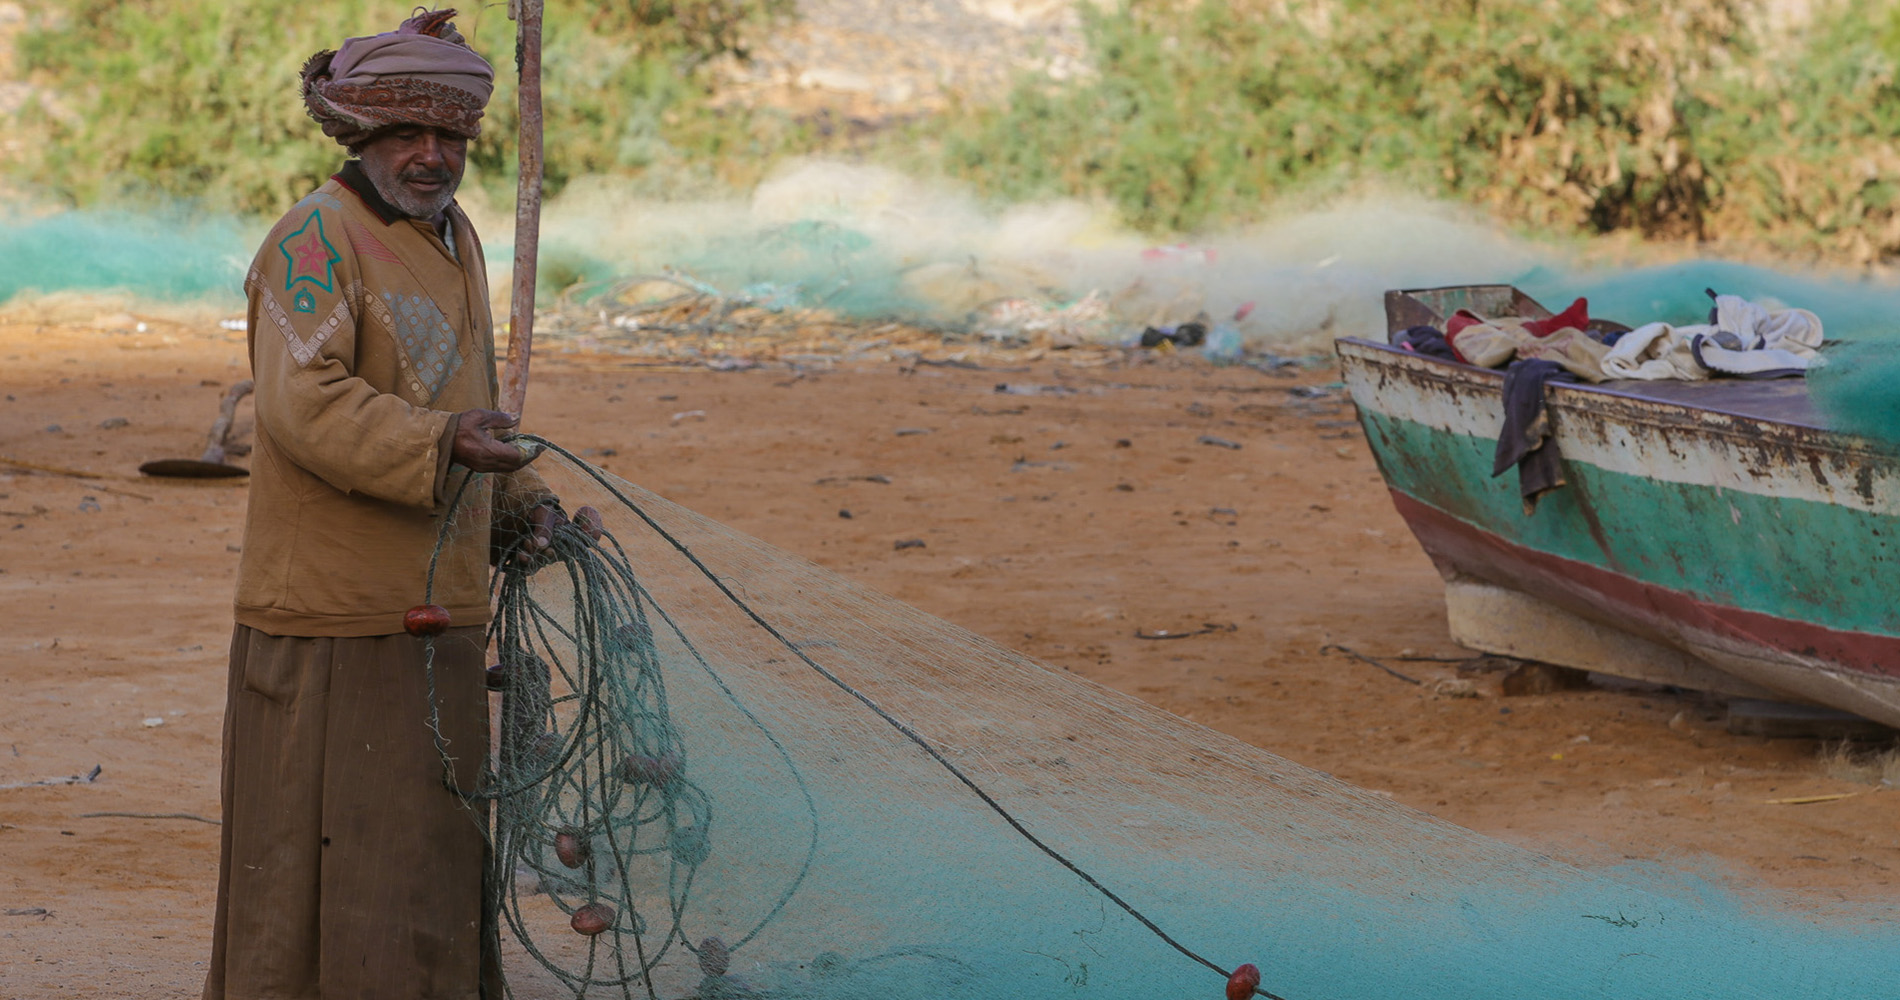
368, 334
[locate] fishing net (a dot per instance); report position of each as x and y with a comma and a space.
833, 245
170, 256
723, 772
1856, 389
1850, 308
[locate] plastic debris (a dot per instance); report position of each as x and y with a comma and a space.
1223, 344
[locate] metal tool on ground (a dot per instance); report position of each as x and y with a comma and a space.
218, 447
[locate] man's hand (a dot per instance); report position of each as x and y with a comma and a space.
544, 519
476, 447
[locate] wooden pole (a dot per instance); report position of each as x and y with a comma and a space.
514, 375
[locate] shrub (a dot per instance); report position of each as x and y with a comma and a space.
197, 99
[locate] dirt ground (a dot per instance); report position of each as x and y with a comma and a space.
1057, 522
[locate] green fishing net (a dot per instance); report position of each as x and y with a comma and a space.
724, 772
169, 256
1857, 387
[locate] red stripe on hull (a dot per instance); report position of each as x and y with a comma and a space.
1661, 612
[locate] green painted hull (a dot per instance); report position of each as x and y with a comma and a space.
1763, 547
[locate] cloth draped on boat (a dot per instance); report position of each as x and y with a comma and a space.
1426, 340
1741, 339
1525, 442
1566, 338
1500, 342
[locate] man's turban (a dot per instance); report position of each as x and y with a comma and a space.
422, 73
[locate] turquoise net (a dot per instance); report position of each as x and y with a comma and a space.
1856, 390
726, 772
164, 256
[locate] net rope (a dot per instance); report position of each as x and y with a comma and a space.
723, 772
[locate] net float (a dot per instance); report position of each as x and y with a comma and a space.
592, 919
642, 769
570, 848
426, 619
714, 957
1243, 982
496, 677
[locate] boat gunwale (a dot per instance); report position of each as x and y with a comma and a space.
1605, 400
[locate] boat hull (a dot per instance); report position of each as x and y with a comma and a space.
1768, 550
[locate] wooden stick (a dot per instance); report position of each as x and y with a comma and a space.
57, 470
51, 470
514, 376
1803, 800
219, 439
132, 815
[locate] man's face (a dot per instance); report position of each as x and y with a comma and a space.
415, 168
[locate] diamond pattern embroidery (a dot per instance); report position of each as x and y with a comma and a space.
427, 341
303, 350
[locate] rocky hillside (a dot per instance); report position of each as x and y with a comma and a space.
873, 60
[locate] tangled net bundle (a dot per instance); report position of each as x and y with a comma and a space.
724, 773
593, 786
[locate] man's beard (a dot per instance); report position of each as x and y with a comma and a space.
389, 184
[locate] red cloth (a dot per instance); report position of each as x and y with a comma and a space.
1574, 318
1459, 321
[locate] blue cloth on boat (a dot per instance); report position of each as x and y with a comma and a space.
1426, 340
1525, 441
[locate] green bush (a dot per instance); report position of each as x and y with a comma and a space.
1672, 119
1676, 119
197, 99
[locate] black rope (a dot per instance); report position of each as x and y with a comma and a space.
1363, 658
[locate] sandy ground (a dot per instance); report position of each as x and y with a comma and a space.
115, 593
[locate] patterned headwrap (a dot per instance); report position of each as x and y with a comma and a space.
422, 73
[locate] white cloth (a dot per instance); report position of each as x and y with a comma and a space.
1745, 339
1653, 352
1794, 330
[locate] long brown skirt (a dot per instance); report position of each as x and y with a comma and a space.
349, 869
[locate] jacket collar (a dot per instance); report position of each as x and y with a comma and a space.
353, 177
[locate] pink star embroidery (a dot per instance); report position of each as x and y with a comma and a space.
311, 255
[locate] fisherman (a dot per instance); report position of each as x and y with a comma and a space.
351, 865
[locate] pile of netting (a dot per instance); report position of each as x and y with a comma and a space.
723, 772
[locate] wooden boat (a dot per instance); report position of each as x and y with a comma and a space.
1713, 535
